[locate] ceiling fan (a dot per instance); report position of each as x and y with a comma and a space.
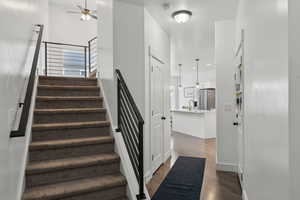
86, 14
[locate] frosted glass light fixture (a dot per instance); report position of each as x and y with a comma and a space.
85, 17
182, 16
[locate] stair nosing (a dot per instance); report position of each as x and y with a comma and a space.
68, 78
68, 87
69, 110
70, 125
63, 190
66, 143
69, 98
71, 163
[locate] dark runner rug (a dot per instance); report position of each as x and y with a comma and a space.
184, 181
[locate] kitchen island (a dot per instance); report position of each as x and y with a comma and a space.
197, 123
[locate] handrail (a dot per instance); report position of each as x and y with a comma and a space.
64, 44
136, 110
94, 38
132, 130
27, 101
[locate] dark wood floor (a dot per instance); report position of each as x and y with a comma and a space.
217, 185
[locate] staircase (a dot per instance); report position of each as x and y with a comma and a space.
71, 156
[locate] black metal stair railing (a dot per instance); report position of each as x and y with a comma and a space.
65, 59
62, 59
131, 125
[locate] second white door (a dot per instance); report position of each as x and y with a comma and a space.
157, 113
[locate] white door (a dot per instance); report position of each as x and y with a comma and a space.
157, 113
239, 117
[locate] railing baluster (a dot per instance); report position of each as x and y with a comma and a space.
85, 63
141, 161
46, 59
89, 43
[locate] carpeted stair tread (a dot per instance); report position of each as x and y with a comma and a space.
70, 110
73, 188
54, 144
71, 155
67, 98
68, 87
69, 163
70, 125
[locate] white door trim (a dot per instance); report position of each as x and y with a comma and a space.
153, 55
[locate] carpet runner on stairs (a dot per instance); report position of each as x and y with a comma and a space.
71, 156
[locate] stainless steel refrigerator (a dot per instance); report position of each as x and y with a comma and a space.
207, 99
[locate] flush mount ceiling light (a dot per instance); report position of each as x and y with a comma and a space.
182, 16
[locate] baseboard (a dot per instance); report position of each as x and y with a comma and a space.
167, 155
148, 176
244, 197
226, 167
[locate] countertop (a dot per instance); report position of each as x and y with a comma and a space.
192, 111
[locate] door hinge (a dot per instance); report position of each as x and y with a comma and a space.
152, 68
152, 113
242, 177
152, 157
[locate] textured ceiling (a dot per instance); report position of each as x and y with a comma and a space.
195, 38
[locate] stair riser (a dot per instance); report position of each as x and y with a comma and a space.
69, 104
61, 134
67, 82
68, 117
67, 92
115, 193
71, 174
68, 152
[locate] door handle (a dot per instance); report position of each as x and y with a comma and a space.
235, 123
163, 118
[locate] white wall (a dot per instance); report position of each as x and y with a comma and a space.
294, 95
133, 31
68, 28
225, 68
159, 42
106, 65
128, 48
16, 47
207, 79
266, 98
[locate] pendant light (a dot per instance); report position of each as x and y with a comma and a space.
180, 74
197, 81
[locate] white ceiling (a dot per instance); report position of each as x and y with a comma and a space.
71, 4
194, 39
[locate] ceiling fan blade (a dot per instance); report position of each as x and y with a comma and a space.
73, 12
93, 16
80, 7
